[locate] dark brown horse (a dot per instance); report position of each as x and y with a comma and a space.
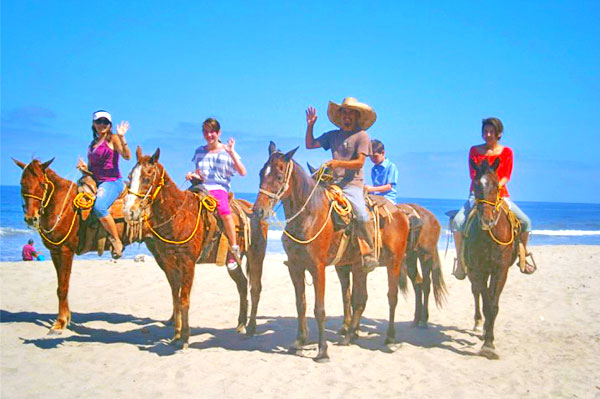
179, 231
311, 242
422, 245
48, 204
490, 248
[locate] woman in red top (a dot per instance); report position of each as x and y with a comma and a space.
491, 131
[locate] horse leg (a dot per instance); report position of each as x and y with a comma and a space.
343, 273
319, 284
151, 245
62, 258
359, 301
187, 279
255, 258
411, 267
297, 276
476, 288
393, 270
491, 304
426, 267
242, 286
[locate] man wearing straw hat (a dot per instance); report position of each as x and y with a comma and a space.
350, 146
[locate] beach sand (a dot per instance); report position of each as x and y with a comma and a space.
547, 335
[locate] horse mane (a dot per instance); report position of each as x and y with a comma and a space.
306, 186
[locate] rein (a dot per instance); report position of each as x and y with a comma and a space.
514, 222
208, 202
41, 199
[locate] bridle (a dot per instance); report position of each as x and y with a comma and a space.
147, 198
43, 200
496, 210
275, 197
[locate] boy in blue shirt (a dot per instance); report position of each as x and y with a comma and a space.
384, 173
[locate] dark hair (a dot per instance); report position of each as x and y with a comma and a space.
213, 124
496, 123
95, 133
30, 241
377, 147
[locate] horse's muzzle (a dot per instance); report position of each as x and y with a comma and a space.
32, 221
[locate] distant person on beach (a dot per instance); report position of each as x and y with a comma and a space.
29, 252
491, 131
215, 163
350, 145
384, 174
103, 161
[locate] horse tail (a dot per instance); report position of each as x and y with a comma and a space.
403, 283
440, 292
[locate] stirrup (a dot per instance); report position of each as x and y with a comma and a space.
116, 250
525, 266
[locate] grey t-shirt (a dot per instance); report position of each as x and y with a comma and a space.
345, 146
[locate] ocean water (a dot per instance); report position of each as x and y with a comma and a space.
554, 223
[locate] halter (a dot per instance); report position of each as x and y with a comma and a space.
41, 199
156, 191
275, 197
514, 222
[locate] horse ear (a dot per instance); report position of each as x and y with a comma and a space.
155, 156
290, 154
272, 148
46, 164
311, 169
138, 153
19, 163
495, 165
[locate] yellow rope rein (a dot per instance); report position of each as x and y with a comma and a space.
81, 201
515, 224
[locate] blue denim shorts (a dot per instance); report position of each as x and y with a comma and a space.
108, 192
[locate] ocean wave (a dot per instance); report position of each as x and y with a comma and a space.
566, 232
11, 231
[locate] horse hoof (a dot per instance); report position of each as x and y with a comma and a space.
393, 346
185, 346
241, 329
296, 346
489, 353
321, 359
345, 341
390, 341
55, 331
478, 328
423, 325
415, 323
343, 331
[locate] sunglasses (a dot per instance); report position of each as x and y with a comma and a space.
102, 121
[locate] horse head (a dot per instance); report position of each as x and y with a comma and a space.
145, 182
36, 190
274, 180
485, 187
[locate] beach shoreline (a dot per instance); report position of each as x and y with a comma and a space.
547, 335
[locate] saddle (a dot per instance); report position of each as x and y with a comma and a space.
92, 235
415, 223
217, 244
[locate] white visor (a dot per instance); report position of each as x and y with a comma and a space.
102, 114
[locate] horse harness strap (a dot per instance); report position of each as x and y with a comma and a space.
500, 205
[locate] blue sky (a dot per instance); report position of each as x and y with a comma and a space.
431, 71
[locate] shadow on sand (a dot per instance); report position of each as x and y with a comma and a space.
273, 334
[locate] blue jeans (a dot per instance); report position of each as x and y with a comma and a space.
356, 196
458, 223
108, 192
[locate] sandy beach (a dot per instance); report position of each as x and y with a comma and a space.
547, 336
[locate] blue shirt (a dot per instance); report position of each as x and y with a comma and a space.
385, 173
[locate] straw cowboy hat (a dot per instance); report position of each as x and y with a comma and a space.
366, 116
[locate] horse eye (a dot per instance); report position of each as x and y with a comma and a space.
280, 177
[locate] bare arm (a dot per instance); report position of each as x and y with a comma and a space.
120, 144
237, 162
311, 118
352, 164
379, 189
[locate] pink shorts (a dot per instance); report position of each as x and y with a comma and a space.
222, 198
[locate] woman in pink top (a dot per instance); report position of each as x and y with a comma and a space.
103, 162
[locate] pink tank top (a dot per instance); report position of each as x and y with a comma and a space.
103, 162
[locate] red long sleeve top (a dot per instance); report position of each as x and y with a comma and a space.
504, 169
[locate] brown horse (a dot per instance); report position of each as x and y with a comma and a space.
179, 232
312, 242
48, 204
422, 245
490, 248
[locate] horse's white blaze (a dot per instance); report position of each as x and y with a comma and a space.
484, 181
135, 186
267, 171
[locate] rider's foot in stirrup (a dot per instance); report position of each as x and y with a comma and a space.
117, 247
459, 270
232, 263
369, 263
